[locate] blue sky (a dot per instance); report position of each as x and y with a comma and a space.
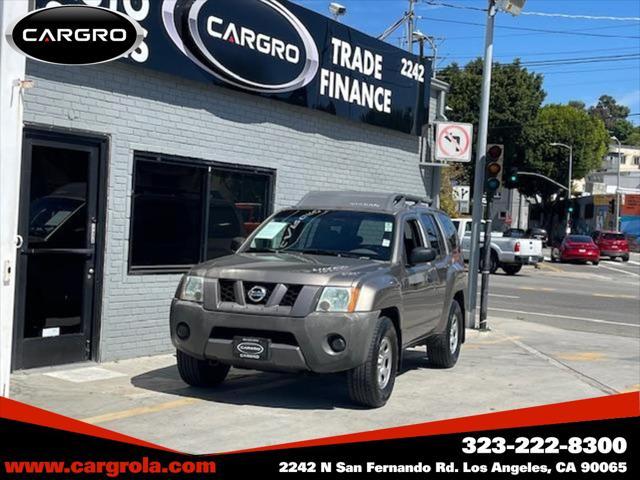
461, 42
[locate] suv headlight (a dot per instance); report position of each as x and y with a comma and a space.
191, 289
337, 299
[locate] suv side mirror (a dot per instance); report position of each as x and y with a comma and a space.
422, 255
236, 243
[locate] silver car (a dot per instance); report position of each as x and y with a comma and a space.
342, 282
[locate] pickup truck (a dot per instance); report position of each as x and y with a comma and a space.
507, 253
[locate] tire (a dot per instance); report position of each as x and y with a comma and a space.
369, 385
596, 263
200, 373
493, 265
511, 269
625, 258
443, 350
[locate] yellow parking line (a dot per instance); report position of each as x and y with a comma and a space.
538, 289
132, 412
582, 356
607, 295
548, 266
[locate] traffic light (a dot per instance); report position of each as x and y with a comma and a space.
511, 178
570, 209
495, 160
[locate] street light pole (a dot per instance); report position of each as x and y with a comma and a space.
569, 183
481, 157
618, 184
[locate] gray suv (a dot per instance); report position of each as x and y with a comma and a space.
342, 282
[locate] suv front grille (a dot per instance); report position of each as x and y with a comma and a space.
289, 298
227, 291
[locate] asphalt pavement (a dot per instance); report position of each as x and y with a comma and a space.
602, 299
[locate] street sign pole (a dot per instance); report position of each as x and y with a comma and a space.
481, 150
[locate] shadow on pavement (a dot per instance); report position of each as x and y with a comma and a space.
266, 389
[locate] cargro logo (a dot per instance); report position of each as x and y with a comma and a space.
75, 35
250, 348
256, 45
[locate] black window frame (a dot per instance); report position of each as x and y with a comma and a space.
443, 251
209, 167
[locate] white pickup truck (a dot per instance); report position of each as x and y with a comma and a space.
507, 253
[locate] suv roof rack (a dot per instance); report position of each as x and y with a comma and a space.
373, 201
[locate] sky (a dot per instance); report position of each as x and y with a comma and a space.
591, 38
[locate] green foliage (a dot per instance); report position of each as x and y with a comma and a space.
516, 96
447, 203
568, 125
634, 137
609, 111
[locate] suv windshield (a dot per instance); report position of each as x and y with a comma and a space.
327, 232
613, 236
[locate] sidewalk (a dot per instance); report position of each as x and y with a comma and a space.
517, 364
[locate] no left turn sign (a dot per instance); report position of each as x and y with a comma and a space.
454, 141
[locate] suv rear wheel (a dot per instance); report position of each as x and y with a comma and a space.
200, 373
443, 350
371, 383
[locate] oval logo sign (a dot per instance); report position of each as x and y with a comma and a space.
250, 348
257, 45
75, 35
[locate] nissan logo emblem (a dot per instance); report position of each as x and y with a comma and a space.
257, 294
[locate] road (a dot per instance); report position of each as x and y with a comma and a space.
600, 299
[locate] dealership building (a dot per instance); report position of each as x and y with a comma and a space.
117, 177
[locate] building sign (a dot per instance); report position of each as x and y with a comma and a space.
453, 142
280, 50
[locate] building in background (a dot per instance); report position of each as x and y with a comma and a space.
605, 180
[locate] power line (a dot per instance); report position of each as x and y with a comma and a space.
581, 17
541, 54
580, 32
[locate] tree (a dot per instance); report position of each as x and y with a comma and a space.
562, 124
609, 111
577, 104
516, 96
447, 203
634, 138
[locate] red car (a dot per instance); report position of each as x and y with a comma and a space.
579, 248
612, 244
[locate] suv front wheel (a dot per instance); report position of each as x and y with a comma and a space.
371, 383
200, 373
443, 350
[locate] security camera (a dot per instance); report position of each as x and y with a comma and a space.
336, 9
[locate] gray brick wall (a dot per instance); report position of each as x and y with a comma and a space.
143, 110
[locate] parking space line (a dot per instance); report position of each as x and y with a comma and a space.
132, 412
606, 295
537, 289
551, 315
619, 270
553, 268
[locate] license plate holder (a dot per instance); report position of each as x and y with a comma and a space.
252, 348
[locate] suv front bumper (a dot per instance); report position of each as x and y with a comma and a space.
308, 350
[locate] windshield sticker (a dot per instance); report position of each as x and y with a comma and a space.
386, 242
388, 226
271, 230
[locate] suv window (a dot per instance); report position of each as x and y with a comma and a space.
450, 231
433, 235
412, 237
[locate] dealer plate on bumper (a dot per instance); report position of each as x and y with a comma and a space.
251, 348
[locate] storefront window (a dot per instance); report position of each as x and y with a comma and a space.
176, 224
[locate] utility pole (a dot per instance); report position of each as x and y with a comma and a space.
481, 157
569, 181
617, 224
411, 25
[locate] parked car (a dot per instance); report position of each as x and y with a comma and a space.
612, 244
342, 282
580, 248
539, 234
507, 253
